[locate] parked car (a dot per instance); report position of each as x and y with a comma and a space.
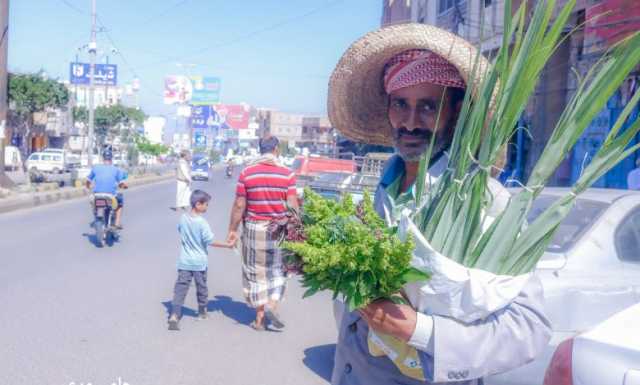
608, 354
335, 184
84, 159
307, 168
71, 161
45, 162
590, 271
12, 158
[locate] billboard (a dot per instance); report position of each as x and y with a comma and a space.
234, 116
200, 139
104, 75
203, 117
206, 90
177, 89
195, 90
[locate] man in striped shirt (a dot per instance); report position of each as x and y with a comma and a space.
265, 189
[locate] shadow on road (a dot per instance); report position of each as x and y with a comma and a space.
92, 238
320, 360
237, 311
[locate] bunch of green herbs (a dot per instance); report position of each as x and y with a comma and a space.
349, 250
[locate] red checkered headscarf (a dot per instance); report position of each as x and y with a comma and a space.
417, 66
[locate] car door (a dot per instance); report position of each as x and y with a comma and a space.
627, 243
594, 284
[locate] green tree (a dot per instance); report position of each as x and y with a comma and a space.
145, 147
31, 93
111, 121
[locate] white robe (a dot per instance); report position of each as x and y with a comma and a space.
183, 193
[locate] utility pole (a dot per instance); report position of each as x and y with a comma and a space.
4, 103
92, 71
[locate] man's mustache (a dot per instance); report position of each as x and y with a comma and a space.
415, 133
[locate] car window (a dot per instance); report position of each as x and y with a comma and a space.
46, 157
627, 237
57, 158
34, 157
581, 217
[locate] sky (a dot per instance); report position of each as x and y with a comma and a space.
268, 53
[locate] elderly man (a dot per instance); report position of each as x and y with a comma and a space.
388, 89
183, 181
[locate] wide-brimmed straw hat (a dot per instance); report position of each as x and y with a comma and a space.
357, 102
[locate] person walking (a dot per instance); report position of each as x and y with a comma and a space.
183, 179
264, 191
195, 237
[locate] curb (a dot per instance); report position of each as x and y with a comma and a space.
48, 197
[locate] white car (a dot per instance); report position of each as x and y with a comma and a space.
12, 158
591, 269
45, 162
608, 354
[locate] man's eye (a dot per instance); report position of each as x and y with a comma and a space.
398, 104
428, 108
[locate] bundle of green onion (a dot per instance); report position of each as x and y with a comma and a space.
450, 211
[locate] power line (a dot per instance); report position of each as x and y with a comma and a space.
75, 8
164, 12
123, 57
251, 34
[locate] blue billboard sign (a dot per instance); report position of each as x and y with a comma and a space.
206, 90
200, 139
105, 74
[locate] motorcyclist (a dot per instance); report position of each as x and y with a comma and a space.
106, 178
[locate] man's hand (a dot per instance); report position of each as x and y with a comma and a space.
123, 185
232, 238
389, 318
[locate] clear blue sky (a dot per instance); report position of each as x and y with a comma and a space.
269, 53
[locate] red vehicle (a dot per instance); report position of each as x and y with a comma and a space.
306, 167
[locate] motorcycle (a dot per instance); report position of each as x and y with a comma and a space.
229, 172
104, 208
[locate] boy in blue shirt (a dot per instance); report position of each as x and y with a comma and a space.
195, 237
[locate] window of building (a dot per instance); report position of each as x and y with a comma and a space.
446, 5
487, 3
627, 238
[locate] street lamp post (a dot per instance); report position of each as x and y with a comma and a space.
92, 70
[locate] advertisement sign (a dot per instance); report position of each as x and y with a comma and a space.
204, 117
200, 139
177, 89
206, 90
230, 133
234, 116
104, 75
195, 90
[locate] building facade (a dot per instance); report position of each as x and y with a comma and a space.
587, 35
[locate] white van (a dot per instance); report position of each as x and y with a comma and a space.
46, 162
12, 158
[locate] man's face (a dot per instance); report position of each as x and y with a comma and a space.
413, 112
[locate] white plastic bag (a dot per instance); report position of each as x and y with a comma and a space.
454, 290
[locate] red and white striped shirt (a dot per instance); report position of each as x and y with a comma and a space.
266, 187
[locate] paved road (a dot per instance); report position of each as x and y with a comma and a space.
74, 313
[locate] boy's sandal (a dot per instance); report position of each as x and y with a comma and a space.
257, 327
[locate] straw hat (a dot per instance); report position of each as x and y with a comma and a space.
357, 102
